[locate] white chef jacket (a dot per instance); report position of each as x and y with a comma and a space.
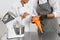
54, 4
18, 10
17, 6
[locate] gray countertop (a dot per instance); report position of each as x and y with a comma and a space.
35, 36
31, 35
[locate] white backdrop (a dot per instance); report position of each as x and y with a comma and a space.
4, 6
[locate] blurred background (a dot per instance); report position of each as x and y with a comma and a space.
6, 4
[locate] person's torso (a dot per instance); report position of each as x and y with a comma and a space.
49, 25
43, 7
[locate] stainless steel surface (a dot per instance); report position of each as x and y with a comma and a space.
35, 36
19, 29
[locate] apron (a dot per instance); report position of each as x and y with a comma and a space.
49, 25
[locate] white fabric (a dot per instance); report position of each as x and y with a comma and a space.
42, 1
17, 6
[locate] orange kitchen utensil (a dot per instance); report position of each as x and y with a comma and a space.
36, 20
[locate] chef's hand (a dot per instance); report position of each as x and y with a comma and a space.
50, 15
24, 15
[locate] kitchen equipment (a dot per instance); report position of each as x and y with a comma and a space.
18, 28
8, 17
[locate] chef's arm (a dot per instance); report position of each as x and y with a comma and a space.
51, 15
56, 10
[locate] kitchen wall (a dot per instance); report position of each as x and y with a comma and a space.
4, 6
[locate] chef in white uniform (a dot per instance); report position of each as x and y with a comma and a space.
24, 9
